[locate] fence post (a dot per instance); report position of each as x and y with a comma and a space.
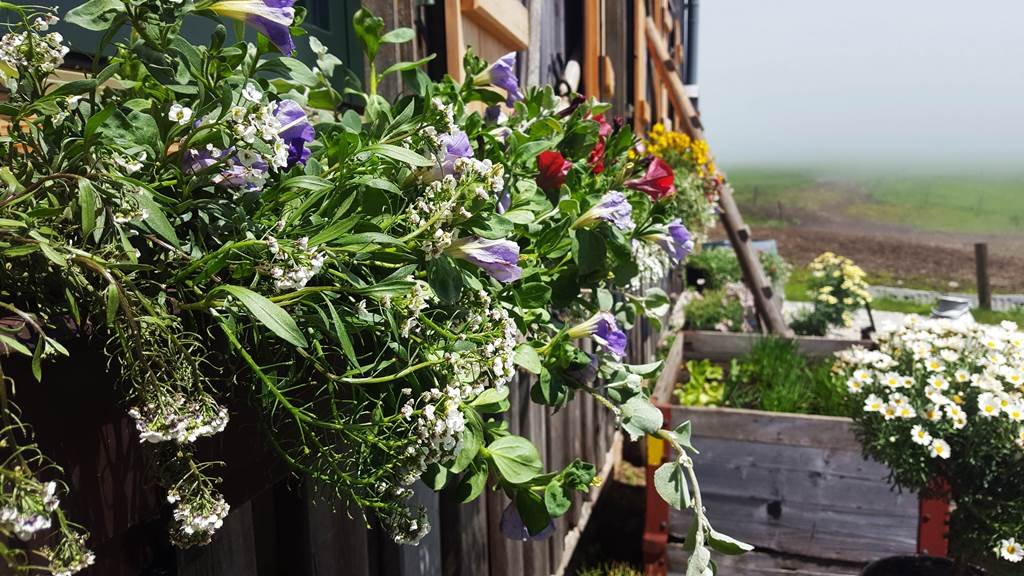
981, 265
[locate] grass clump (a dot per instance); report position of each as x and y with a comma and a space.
610, 569
774, 376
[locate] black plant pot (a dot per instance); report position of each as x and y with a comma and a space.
915, 566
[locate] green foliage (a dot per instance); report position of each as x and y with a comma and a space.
723, 310
211, 214
773, 376
705, 387
719, 267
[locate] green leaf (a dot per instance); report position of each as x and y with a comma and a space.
528, 359
403, 66
516, 459
293, 70
74, 88
534, 295
398, 36
682, 435
472, 440
113, 302
491, 400
400, 154
472, 483
670, 482
727, 544
532, 511
7, 344
37, 359
557, 498
87, 206
269, 314
699, 563
368, 29
95, 14
435, 476
644, 369
589, 251
445, 279
640, 417
156, 219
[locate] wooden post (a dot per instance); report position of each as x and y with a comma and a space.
732, 221
591, 49
640, 106
981, 265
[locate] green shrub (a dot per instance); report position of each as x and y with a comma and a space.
722, 310
719, 266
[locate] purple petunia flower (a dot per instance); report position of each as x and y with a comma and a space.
296, 130
502, 73
604, 330
513, 527
504, 202
499, 258
613, 208
269, 17
678, 241
455, 145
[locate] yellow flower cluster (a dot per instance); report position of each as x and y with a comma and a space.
837, 279
677, 148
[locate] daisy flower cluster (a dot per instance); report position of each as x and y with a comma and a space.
933, 390
31, 50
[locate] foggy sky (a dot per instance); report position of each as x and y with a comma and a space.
917, 82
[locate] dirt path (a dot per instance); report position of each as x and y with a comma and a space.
932, 259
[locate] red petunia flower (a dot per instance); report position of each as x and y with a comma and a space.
596, 158
658, 182
553, 169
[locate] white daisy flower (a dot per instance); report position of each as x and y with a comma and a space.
920, 436
1010, 550
179, 114
939, 449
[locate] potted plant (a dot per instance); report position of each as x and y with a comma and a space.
940, 403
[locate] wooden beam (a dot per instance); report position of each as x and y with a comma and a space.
732, 221
454, 41
639, 68
591, 49
506, 20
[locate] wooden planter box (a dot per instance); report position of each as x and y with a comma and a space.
723, 346
797, 488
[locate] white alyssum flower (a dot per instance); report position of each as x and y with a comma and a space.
179, 114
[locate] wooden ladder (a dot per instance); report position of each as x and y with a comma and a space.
666, 68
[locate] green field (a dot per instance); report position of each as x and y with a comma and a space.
954, 203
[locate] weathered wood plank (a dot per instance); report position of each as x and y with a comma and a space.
815, 497
759, 563
769, 427
233, 550
536, 557
722, 346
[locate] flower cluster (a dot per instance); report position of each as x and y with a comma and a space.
680, 150
837, 286
297, 267
179, 417
69, 556
27, 512
267, 135
932, 391
30, 51
197, 517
